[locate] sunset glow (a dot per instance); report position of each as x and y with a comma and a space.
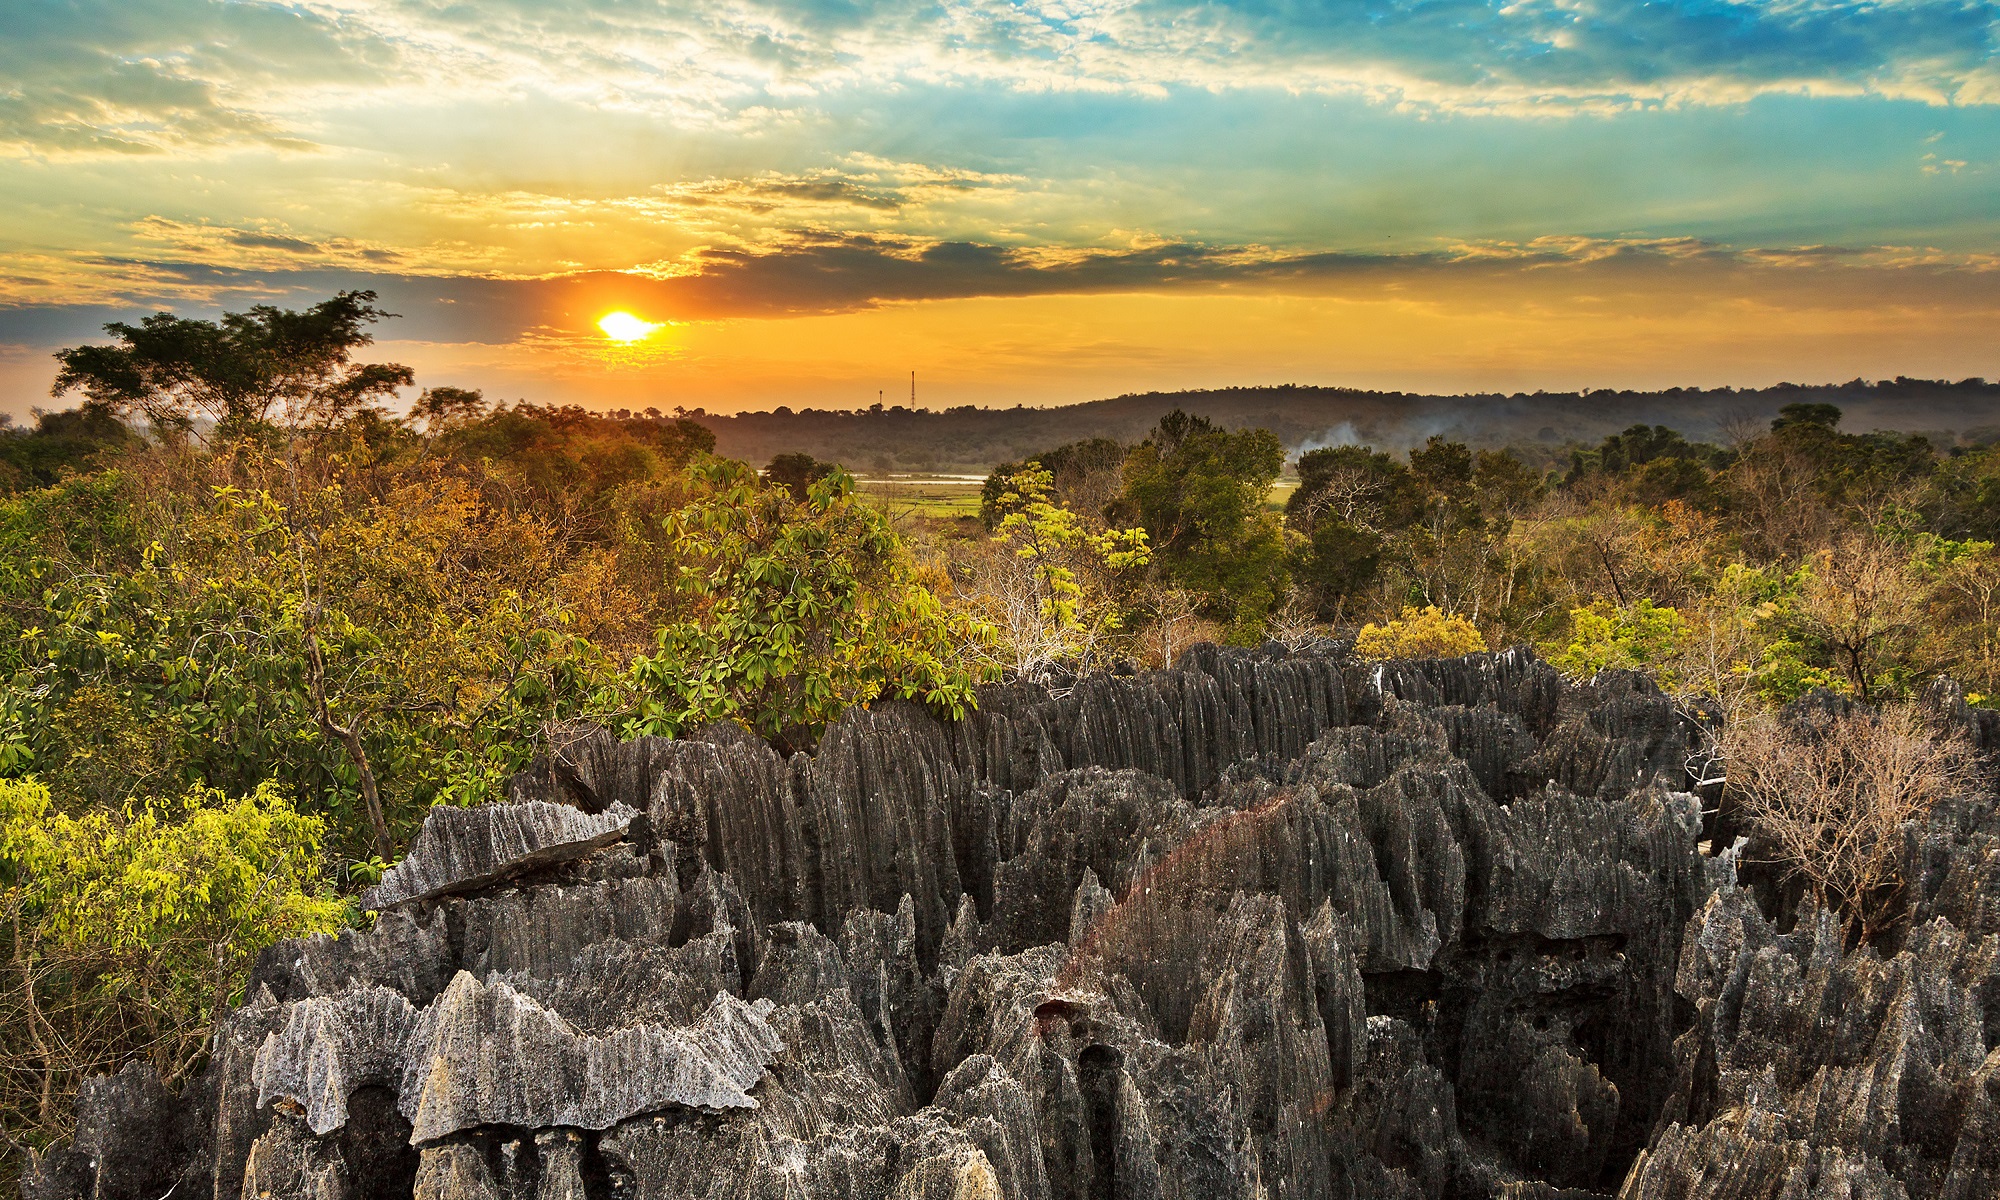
624, 327
1026, 203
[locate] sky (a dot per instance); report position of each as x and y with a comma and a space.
1030, 202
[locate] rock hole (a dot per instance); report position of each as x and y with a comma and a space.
1058, 1009
604, 1179
1098, 1070
375, 1145
1402, 994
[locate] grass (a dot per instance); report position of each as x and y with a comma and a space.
949, 499
936, 499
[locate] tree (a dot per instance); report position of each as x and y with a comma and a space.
1641, 637
1347, 500
443, 407
1356, 485
1862, 601
1334, 563
1083, 477
1829, 794
1964, 610
130, 930
242, 373
1200, 493
798, 472
78, 439
581, 471
375, 654
794, 611
1053, 600
1445, 547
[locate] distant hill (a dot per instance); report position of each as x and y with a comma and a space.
975, 439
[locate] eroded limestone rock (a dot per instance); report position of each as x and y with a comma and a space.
1263, 925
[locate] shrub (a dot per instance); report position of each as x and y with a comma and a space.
1644, 636
1420, 633
795, 610
1052, 595
1830, 794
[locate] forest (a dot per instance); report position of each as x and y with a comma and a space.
1536, 426
256, 621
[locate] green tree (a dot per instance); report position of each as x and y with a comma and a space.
73, 440
444, 407
1200, 493
242, 372
1333, 564
1055, 601
130, 930
797, 472
795, 611
1444, 548
374, 654
1083, 477
1644, 636
1348, 500
1963, 610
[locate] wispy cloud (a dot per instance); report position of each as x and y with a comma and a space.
146, 76
504, 171
134, 76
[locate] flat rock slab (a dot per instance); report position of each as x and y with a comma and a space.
461, 849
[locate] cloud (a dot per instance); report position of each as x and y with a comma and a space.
863, 182
1492, 55
820, 273
145, 76
267, 244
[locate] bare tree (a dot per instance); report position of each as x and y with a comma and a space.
1861, 599
1294, 623
1832, 794
1776, 488
1175, 619
1353, 496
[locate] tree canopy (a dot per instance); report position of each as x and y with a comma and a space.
238, 373
1200, 493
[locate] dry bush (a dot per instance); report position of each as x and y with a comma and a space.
1831, 794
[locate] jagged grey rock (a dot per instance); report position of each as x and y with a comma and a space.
332, 1046
485, 1055
1262, 925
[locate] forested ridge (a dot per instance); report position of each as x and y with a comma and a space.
256, 625
908, 436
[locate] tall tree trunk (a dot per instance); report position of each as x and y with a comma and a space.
1617, 589
350, 737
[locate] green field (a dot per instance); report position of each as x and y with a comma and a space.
933, 498
945, 498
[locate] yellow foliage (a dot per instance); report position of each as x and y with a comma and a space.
132, 928
1420, 633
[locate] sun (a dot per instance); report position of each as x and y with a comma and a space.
624, 327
